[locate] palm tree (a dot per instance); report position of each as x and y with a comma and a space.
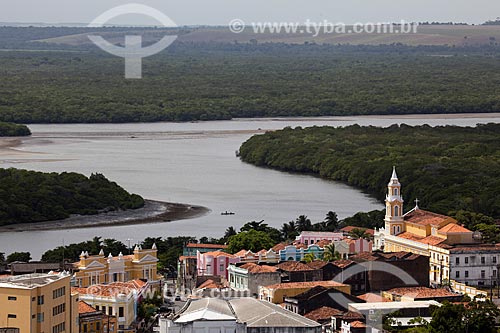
289, 231
309, 257
329, 253
303, 223
360, 233
257, 226
332, 221
230, 231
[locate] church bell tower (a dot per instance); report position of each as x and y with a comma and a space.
394, 222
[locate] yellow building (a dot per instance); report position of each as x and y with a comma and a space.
91, 320
420, 232
276, 293
38, 303
142, 264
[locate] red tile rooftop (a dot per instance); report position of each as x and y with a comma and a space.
310, 284
279, 247
323, 313
351, 315
219, 254
423, 217
357, 324
294, 266
84, 307
207, 246
453, 228
256, 269
372, 298
342, 263
421, 292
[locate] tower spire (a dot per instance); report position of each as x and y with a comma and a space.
394, 175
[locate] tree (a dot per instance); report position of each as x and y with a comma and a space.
358, 233
329, 253
303, 223
309, 257
2, 259
230, 231
19, 256
250, 240
332, 221
289, 231
257, 226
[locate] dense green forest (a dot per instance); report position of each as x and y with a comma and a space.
448, 168
207, 81
29, 196
9, 129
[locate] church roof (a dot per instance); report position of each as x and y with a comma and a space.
423, 217
454, 228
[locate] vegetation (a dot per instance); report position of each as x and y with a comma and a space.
29, 196
207, 81
19, 256
251, 240
448, 168
9, 129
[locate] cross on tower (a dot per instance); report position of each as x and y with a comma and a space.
416, 202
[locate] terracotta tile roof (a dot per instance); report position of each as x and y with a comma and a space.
112, 289
421, 292
432, 240
279, 247
351, 315
372, 298
84, 307
351, 228
206, 246
294, 266
342, 263
479, 247
410, 236
357, 324
367, 256
209, 284
216, 254
310, 284
423, 217
454, 228
182, 258
257, 269
323, 313
306, 295
301, 246
262, 252
323, 243
241, 253
317, 264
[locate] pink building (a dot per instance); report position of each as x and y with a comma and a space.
312, 237
215, 263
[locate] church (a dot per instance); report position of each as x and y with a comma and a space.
421, 232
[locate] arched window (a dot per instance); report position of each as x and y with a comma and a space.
396, 210
399, 229
395, 191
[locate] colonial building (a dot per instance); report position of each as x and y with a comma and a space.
420, 232
313, 237
97, 269
276, 293
250, 276
476, 265
36, 303
215, 263
90, 319
117, 299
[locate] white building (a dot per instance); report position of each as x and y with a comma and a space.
476, 265
238, 315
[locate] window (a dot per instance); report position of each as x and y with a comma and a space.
40, 317
457, 261
110, 311
494, 273
395, 191
466, 260
221, 268
85, 328
466, 274
483, 274
58, 292
396, 210
41, 300
59, 328
97, 307
58, 309
120, 311
457, 274
98, 326
483, 260
494, 260
12, 298
10, 315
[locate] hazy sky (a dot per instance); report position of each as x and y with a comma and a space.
222, 11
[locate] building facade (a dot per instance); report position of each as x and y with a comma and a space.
142, 264
214, 263
38, 303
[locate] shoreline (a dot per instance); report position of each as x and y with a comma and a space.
152, 212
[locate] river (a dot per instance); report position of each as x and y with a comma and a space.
191, 163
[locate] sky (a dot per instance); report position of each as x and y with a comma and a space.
220, 12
